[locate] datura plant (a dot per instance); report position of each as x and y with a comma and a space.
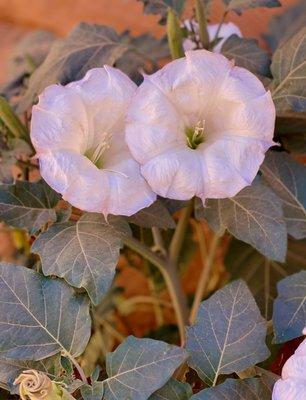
155, 194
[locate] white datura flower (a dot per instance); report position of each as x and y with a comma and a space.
292, 385
227, 29
78, 133
200, 127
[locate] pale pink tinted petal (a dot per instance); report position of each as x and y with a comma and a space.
107, 93
301, 350
175, 174
241, 86
59, 120
128, 190
256, 118
231, 164
295, 367
289, 389
153, 124
227, 30
76, 178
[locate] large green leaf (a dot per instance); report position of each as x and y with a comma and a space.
173, 389
87, 46
40, 316
27, 205
155, 215
139, 367
289, 311
85, 253
242, 389
254, 215
229, 335
289, 72
288, 180
160, 7
241, 5
247, 54
262, 274
10, 369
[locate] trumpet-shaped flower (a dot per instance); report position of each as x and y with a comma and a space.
200, 126
221, 35
78, 133
292, 385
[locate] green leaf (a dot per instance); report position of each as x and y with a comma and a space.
27, 205
87, 46
229, 335
10, 369
40, 317
289, 311
160, 7
139, 367
262, 274
94, 392
241, 5
242, 389
254, 215
288, 180
155, 215
247, 54
173, 389
85, 253
282, 27
289, 72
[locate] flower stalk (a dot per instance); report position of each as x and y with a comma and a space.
175, 36
202, 21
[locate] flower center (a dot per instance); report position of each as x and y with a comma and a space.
95, 154
195, 136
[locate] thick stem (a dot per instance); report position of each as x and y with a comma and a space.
179, 234
172, 281
205, 274
158, 242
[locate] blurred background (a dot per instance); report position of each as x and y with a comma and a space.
18, 17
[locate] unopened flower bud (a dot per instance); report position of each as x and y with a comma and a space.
35, 385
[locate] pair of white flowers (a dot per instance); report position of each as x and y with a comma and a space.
199, 126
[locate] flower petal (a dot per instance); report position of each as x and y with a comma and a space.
59, 120
289, 389
106, 93
175, 174
80, 182
231, 164
295, 367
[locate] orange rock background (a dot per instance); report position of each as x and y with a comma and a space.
17, 17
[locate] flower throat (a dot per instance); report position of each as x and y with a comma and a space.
195, 136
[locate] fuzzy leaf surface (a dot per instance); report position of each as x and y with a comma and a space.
287, 178
247, 54
27, 205
289, 72
85, 253
229, 334
173, 389
139, 367
39, 316
289, 311
254, 215
154, 215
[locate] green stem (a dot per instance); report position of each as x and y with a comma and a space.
205, 274
172, 281
11, 121
179, 234
174, 34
